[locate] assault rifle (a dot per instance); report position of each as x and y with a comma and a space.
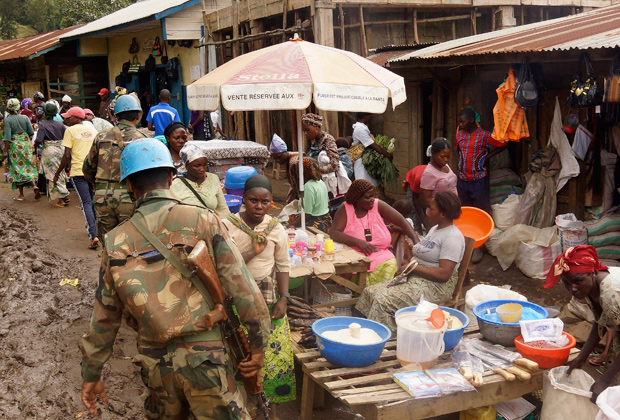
223, 314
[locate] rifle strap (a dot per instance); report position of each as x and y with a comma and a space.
172, 259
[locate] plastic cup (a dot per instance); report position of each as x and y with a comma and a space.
509, 313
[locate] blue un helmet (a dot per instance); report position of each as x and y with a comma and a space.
126, 103
143, 154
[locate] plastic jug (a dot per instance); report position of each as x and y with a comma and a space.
417, 340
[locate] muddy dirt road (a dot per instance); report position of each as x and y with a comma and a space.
41, 322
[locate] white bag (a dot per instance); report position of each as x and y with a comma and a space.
288, 210
484, 293
504, 214
609, 403
535, 261
509, 242
567, 397
493, 241
571, 230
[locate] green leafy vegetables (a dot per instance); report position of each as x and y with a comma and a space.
379, 166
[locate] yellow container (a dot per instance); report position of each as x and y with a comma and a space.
509, 313
481, 413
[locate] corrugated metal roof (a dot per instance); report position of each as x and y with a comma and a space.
382, 55
598, 28
31, 45
134, 13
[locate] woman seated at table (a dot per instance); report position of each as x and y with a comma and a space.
262, 241
316, 198
586, 278
176, 137
281, 155
438, 255
360, 224
198, 187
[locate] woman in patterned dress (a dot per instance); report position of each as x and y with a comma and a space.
17, 134
262, 241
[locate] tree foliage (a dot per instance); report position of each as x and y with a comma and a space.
49, 15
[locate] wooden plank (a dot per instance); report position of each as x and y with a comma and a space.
308, 355
363, 32
415, 27
325, 374
346, 283
377, 397
490, 393
379, 378
340, 304
325, 364
367, 389
307, 398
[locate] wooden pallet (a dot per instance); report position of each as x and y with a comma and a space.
371, 391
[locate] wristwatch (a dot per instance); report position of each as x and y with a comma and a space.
286, 295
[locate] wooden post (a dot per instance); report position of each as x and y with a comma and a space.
473, 21
284, 18
363, 33
415, 27
453, 28
262, 130
235, 28
323, 28
342, 30
493, 12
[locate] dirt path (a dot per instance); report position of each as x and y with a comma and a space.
41, 322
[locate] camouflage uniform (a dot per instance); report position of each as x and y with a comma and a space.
102, 167
184, 366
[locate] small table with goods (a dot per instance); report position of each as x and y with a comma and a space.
370, 389
225, 154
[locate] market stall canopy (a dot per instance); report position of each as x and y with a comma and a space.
291, 75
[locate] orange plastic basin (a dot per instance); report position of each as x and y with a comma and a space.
546, 358
476, 224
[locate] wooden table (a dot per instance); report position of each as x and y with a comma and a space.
375, 395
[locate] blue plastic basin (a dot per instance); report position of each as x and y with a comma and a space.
498, 332
452, 337
233, 202
350, 355
236, 177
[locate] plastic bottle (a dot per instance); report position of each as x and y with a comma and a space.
320, 242
291, 233
328, 254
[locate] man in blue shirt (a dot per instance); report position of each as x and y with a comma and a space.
162, 114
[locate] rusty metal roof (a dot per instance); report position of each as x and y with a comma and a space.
382, 55
33, 45
598, 28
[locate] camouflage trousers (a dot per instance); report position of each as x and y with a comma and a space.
194, 378
112, 206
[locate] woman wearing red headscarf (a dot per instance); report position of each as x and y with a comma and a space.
585, 277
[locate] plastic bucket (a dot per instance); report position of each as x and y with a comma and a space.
452, 337
236, 177
233, 202
417, 341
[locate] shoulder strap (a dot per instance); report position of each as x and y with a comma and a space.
188, 185
172, 259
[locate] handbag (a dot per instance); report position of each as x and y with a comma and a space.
584, 94
157, 48
134, 67
526, 91
164, 58
134, 48
149, 64
612, 83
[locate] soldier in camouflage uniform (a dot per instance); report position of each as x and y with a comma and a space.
184, 365
102, 166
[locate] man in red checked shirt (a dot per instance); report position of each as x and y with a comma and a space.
475, 147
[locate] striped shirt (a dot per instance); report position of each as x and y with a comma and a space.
473, 148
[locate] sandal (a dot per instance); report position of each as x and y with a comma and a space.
67, 200
94, 244
59, 205
597, 360
18, 198
37, 193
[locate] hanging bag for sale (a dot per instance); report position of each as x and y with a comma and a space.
134, 67
157, 48
584, 93
134, 48
526, 92
149, 64
612, 82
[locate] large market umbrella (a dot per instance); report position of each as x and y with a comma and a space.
291, 75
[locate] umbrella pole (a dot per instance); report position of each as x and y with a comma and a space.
300, 168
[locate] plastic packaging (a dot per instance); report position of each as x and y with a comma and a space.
542, 329
462, 361
417, 383
450, 381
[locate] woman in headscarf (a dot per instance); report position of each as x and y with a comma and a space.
586, 278
26, 105
262, 241
433, 274
312, 126
197, 186
289, 160
176, 137
316, 198
359, 223
50, 151
20, 167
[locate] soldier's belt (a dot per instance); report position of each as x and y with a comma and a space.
204, 338
110, 185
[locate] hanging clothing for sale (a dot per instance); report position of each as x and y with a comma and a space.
581, 142
509, 117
